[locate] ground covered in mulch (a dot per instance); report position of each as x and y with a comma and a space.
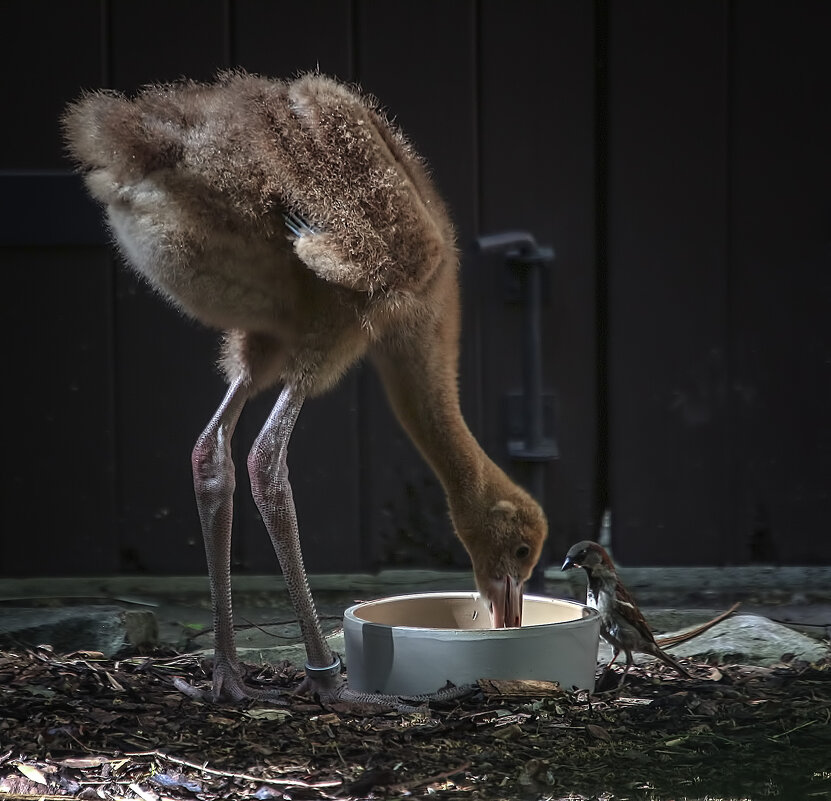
81, 726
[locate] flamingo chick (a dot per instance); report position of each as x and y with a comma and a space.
294, 217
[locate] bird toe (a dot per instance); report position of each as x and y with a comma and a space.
334, 692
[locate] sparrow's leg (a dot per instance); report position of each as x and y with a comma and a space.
616, 653
630, 661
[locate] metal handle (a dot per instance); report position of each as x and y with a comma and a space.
525, 256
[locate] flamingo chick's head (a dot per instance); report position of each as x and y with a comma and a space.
504, 550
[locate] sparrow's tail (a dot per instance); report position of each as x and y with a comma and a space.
668, 660
668, 642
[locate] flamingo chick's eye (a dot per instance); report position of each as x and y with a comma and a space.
522, 552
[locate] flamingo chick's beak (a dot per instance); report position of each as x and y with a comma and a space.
505, 597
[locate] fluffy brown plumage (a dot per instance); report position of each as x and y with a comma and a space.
297, 219
622, 624
197, 179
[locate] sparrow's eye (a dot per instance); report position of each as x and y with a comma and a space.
522, 552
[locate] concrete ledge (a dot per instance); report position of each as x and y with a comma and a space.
648, 584
133, 588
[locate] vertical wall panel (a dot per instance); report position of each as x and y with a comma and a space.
58, 441
537, 174
780, 218
284, 39
419, 60
668, 388
48, 53
167, 390
59, 472
156, 40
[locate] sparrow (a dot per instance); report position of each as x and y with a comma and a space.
622, 624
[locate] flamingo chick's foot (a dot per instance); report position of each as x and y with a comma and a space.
229, 686
329, 686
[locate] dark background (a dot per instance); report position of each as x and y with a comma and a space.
675, 155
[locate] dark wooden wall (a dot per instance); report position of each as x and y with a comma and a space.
719, 276
675, 156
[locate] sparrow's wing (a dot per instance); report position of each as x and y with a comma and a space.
626, 607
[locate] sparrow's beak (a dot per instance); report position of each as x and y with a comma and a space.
569, 563
505, 596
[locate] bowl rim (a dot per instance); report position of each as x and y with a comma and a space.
349, 614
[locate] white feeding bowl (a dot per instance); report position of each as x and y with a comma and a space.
415, 644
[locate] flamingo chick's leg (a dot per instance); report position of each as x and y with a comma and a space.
272, 493
213, 481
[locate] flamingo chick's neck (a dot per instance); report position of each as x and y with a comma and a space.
500, 525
